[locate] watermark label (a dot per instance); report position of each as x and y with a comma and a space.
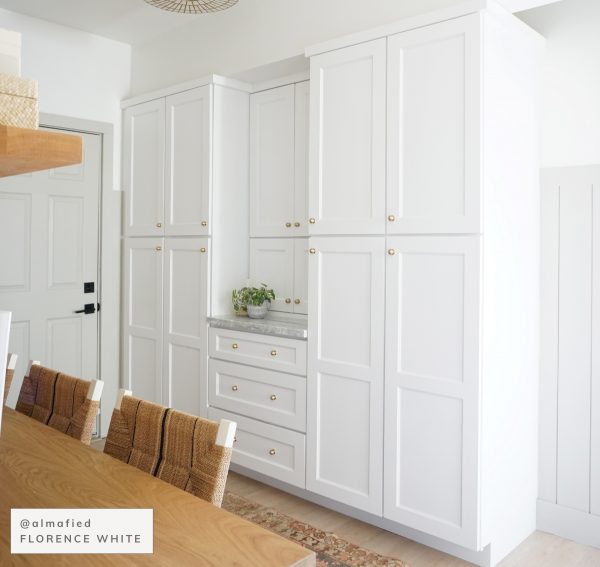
81, 530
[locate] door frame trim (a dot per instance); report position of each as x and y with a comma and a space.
109, 265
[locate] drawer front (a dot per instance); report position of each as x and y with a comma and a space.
267, 449
262, 394
275, 353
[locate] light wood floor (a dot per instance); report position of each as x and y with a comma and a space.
539, 550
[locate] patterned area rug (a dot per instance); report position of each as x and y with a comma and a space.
331, 550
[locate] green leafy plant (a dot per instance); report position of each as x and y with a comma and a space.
251, 296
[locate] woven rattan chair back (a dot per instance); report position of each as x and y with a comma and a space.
37, 393
28, 390
11, 364
75, 407
196, 454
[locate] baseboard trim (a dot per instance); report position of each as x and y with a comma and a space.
568, 523
481, 558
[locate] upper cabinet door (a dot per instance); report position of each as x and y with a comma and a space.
433, 129
143, 168
272, 162
301, 153
188, 163
347, 150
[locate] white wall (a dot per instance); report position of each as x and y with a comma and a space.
571, 89
258, 32
80, 75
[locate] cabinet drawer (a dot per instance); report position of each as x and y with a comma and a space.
267, 449
276, 353
262, 394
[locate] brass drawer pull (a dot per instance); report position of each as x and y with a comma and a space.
204, 223
158, 224
297, 301
391, 218
391, 252
312, 220
203, 250
273, 353
297, 224
288, 224
273, 397
235, 346
312, 250
272, 452
234, 388
288, 300
158, 248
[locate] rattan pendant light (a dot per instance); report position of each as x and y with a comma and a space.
192, 6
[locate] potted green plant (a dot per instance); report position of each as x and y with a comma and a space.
255, 300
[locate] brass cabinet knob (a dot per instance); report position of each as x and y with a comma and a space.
204, 223
297, 301
235, 439
158, 248
312, 250
288, 224
158, 224
273, 353
234, 346
312, 220
273, 397
272, 452
297, 224
391, 251
391, 218
288, 300
203, 249
234, 388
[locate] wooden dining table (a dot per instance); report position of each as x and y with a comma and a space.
43, 468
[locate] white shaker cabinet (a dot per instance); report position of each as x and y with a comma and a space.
301, 276
301, 137
144, 168
345, 370
348, 140
188, 162
433, 385
434, 143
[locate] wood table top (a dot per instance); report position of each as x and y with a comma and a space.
43, 468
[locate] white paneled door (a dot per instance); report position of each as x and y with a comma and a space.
432, 385
345, 370
434, 88
48, 250
347, 149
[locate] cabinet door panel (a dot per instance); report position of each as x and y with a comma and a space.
345, 370
433, 133
143, 168
301, 276
272, 263
185, 335
432, 386
347, 155
301, 156
143, 322
188, 163
272, 162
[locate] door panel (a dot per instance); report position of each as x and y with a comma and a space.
433, 135
143, 320
301, 158
188, 163
432, 385
301, 276
144, 168
345, 370
185, 330
272, 263
348, 125
272, 162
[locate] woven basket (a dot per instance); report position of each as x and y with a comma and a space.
18, 102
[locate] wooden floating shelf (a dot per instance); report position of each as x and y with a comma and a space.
23, 150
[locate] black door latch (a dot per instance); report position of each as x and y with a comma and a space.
88, 309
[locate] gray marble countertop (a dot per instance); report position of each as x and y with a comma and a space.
276, 324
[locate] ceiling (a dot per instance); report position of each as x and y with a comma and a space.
134, 21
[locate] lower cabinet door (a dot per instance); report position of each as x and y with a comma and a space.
143, 317
267, 449
185, 364
345, 370
431, 480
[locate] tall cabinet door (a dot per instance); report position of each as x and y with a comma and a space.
272, 162
143, 168
143, 322
301, 276
434, 128
272, 263
347, 150
188, 163
345, 370
185, 326
301, 157
432, 385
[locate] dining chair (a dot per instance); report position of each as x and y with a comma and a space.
11, 363
135, 432
28, 390
40, 388
75, 406
196, 453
